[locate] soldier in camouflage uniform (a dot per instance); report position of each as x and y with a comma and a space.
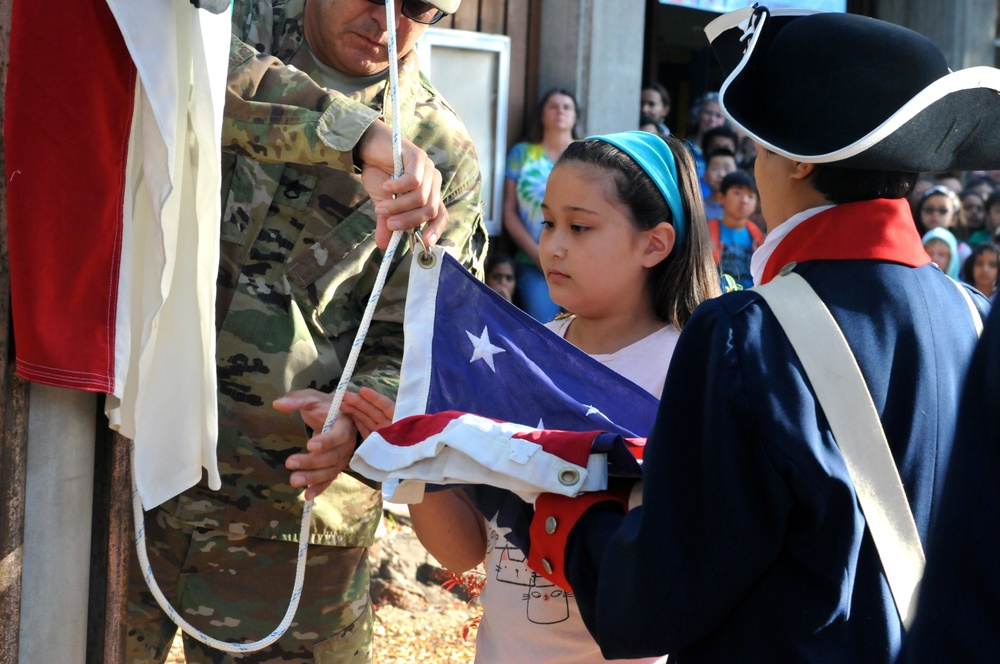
299, 260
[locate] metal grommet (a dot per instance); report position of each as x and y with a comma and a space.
546, 565
550, 525
425, 258
785, 271
569, 476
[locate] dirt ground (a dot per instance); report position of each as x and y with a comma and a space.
417, 618
432, 635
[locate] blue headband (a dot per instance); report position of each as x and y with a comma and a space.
655, 158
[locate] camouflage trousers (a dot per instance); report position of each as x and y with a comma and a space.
236, 588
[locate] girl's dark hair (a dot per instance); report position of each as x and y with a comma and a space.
660, 90
980, 179
850, 185
498, 259
994, 199
535, 135
686, 277
721, 130
970, 262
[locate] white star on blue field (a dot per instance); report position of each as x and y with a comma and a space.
484, 349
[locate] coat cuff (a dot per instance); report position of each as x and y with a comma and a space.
555, 517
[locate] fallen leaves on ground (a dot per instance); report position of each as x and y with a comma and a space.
433, 635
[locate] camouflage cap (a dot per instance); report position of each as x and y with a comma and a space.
447, 6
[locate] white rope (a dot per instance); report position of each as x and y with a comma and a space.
397, 152
397, 167
338, 397
366, 320
188, 628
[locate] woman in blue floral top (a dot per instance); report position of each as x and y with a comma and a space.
528, 166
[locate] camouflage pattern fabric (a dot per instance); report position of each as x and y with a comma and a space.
298, 265
238, 597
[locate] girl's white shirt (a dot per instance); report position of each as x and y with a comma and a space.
525, 617
644, 363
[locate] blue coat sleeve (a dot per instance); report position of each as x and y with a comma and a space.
960, 595
713, 500
750, 544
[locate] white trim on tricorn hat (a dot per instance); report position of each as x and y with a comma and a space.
929, 121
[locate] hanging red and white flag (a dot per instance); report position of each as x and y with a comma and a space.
112, 142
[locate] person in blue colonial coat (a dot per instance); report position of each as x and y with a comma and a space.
750, 544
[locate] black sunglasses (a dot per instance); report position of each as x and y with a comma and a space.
416, 10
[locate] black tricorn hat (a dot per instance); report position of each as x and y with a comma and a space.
863, 93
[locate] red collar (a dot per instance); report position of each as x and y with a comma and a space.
881, 230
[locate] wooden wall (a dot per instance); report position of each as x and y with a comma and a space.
521, 21
13, 413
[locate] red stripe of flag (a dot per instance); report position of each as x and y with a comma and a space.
70, 88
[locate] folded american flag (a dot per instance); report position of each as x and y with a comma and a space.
469, 350
461, 448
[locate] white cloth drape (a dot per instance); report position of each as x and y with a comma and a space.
165, 383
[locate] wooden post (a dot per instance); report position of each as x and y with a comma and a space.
112, 549
13, 470
119, 552
59, 494
13, 414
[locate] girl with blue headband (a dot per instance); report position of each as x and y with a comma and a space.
624, 247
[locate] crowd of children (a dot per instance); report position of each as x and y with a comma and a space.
955, 213
958, 215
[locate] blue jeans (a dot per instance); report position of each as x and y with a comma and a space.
534, 293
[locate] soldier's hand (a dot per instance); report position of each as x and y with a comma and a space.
327, 454
411, 200
369, 410
311, 405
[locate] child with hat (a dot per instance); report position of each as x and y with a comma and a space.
750, 543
